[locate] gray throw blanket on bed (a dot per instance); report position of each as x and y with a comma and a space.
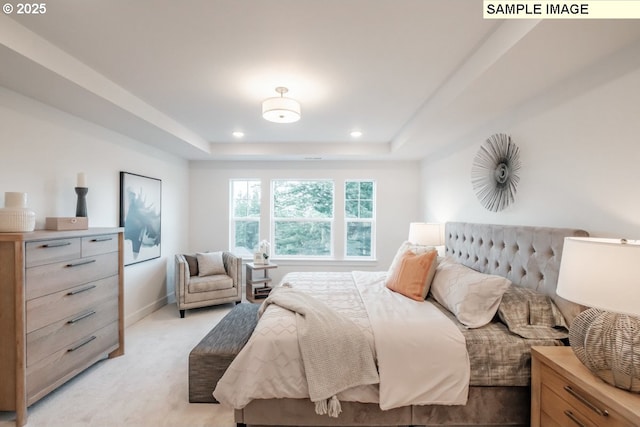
335, 352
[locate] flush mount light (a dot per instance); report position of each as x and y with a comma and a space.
355, 134
238, 134
281, 109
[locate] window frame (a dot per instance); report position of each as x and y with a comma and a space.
233, 219
371, 220
331, 220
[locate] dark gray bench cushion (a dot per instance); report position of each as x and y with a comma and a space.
210, 358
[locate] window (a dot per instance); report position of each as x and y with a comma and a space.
245, 216
302, 218
359, 214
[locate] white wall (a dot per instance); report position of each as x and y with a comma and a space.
580, 151
397, 190
42, 150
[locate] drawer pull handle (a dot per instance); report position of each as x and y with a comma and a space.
79, 291
102, 239
573, 418
83, 343
594, 408
79, 263
80, 317
56, 244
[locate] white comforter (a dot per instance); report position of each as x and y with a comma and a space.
421, 354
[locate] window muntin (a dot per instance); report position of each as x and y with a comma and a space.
302, 217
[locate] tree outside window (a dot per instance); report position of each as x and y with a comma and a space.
303, 218
245, 216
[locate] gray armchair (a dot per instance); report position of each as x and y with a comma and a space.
194, 291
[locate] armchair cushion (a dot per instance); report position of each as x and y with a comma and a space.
216, 282
210, 263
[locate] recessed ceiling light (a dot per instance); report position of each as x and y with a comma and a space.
355, 134
238, 134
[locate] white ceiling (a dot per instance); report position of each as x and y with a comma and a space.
412, 75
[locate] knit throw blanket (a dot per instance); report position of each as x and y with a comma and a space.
335, 352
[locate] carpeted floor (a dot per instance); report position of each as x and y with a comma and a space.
148, 386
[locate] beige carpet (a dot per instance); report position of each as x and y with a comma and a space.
148, 386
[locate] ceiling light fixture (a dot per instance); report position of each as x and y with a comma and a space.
281, 109
238, 134
356, 134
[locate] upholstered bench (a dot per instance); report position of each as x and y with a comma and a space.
210, 358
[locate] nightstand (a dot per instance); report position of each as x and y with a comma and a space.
257, 280
565, 393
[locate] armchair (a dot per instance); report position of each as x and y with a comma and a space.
196, 290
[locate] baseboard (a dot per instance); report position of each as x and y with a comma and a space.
145, 311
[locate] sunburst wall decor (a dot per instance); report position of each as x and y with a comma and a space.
494, 174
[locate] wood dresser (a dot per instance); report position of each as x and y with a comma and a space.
565, 393
61, 309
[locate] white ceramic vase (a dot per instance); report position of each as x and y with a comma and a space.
15, 216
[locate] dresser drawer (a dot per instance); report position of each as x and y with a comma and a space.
61, 365
49, 251
51, 308
547, 421
50, 278
558, 412
45, 341
96, 245
562, 396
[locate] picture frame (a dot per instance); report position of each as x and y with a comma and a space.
141, 217
258, 259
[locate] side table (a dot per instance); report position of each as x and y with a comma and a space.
565, 393
258, 282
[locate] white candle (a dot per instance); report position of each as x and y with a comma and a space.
82, 180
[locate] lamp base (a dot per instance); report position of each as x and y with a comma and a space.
81, 205
609, 345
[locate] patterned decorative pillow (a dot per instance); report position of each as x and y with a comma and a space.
532, 314
473, 297
210, 263
413, 274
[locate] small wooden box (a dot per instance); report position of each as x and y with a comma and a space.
66, 223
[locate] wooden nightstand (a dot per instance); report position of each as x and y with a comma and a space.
565, 393
258, 287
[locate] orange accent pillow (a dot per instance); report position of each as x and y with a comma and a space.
413, 274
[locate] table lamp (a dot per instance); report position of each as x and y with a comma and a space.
426, 233
604, 274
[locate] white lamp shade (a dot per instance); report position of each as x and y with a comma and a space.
426, 234
601, 273
281, 110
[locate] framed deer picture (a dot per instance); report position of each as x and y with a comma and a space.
140, 215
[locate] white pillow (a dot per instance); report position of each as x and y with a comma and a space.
210, 263
473, 297
404, 247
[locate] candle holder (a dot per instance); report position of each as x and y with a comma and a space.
81, 206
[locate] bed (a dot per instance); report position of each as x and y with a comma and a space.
498, 394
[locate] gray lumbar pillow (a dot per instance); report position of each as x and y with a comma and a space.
210, 263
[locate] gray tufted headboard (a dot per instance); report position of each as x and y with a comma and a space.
528, 256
